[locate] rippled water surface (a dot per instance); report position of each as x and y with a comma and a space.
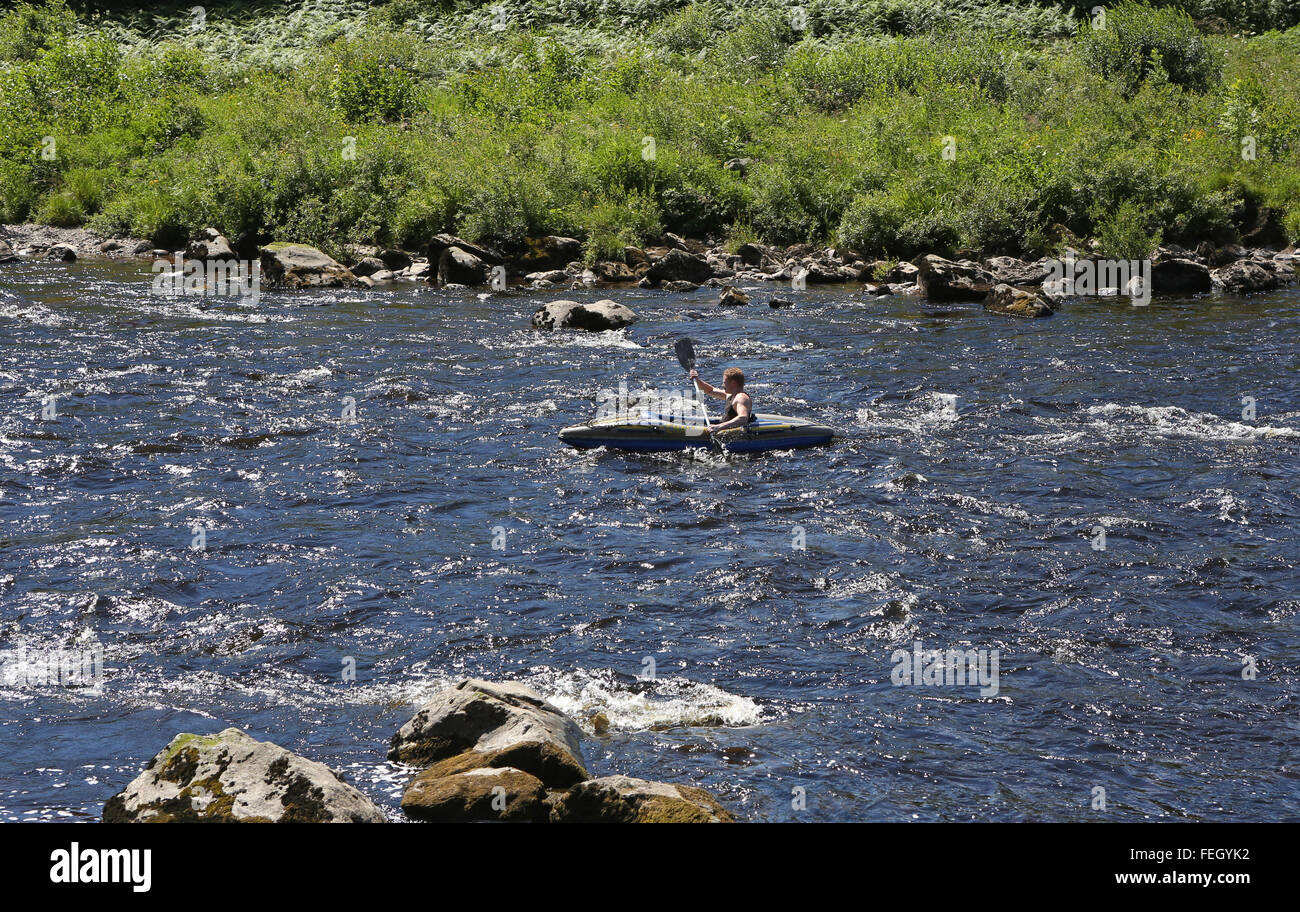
970, 527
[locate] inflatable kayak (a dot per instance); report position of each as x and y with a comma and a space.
652, 434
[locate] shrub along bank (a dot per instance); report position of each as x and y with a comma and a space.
892, 128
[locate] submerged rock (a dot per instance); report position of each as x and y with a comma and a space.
679, 287
481, 724
301, 266
233, 778
732, 297
945, 280
597, 317
623, 799
1017, 302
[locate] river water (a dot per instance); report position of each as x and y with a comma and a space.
446, 533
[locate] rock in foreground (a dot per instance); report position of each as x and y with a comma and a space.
597, 317
232, 778
499, 752
484, 724
488, 793
622, 799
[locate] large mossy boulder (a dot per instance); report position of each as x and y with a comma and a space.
300, 266
597, 317
233, 778
623, 799
478, 724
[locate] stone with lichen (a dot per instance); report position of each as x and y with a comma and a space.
233, 778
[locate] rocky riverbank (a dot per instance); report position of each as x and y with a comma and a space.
1003, 284
479, 751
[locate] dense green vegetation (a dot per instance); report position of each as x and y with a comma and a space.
892, 127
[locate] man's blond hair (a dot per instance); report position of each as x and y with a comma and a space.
734, 373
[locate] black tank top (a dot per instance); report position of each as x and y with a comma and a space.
731, 410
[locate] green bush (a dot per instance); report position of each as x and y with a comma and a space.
696, 196
29, 28
18, 195
371, 83
612, 224
78, 82
1139, 40
690, 29
890, 224
1257, 15
1125, 232
61, 210
757, 45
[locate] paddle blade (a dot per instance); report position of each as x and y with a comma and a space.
685, 349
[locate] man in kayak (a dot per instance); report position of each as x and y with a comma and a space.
740, 407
